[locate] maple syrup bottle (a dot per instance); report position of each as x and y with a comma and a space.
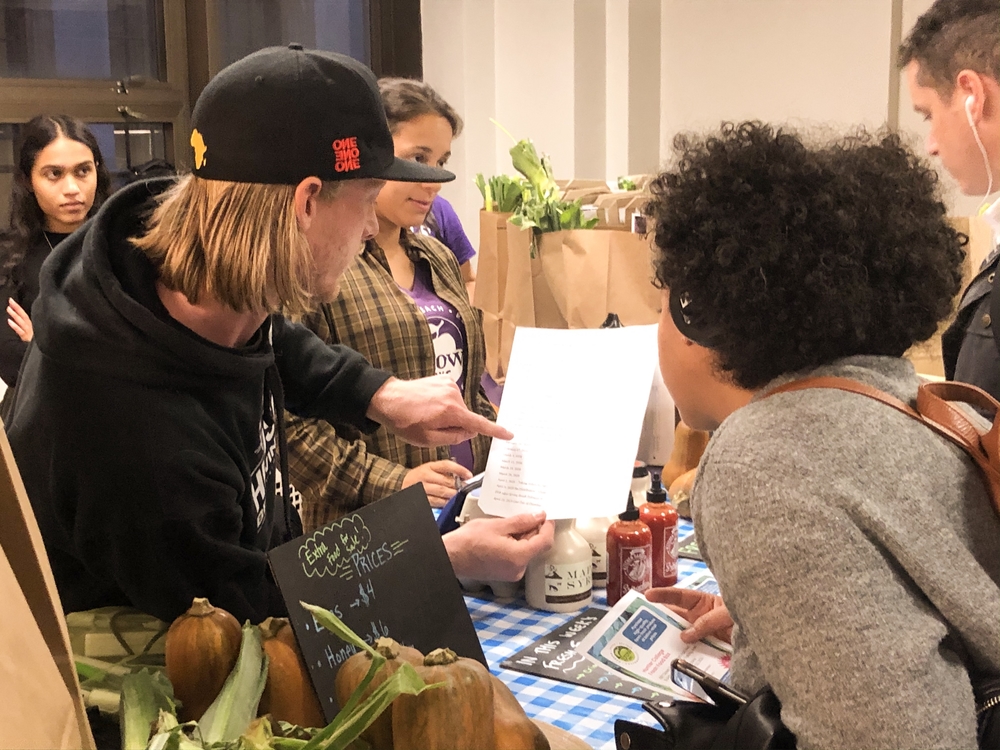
630, 554
661, 518
560, 580
595, 531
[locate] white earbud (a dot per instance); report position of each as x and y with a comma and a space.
969, 101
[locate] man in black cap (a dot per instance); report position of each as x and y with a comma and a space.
147, 423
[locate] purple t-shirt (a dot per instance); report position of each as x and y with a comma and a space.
450, 231
448, 335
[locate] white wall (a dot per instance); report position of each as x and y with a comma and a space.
798, 61
603, 86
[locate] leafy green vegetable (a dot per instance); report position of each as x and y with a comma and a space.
538, 170
626, 183
501, 193
540, 208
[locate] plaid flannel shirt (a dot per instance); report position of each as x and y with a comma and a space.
338, 469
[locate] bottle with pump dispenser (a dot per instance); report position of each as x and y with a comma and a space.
560, 580
661, 518
630, 554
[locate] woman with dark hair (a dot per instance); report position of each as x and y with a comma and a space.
855, 549
403, 305
61, 180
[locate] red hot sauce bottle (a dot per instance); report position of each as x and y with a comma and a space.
630, 554
661, 518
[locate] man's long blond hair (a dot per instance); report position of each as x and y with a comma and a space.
236, 242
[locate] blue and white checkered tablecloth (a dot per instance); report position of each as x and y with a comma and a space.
506, 626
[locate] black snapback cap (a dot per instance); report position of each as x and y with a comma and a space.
283, 114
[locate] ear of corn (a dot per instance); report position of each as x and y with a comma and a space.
236, 705
230, 723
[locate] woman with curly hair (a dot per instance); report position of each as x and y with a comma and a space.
856, 550
60, 181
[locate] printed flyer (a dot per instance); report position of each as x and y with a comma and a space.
641, 639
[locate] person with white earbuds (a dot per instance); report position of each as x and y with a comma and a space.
951, 60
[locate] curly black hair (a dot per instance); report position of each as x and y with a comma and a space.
792, 256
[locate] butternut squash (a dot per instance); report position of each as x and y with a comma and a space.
288, 693
353, 671
680, 492
201, 648
512, 729
688, 446
458, 715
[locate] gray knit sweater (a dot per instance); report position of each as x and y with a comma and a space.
859, 556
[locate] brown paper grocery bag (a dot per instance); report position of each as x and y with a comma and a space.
579, 276
518, 308
631, 293
491, 279
40, 702
570, 279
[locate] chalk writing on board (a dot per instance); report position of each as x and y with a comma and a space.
343, 549
580, 625
566, 662
546, 648
366, 594
376, 629
554, 656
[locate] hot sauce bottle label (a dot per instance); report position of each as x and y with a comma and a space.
566, 583
670, 553
635, 564
598, 565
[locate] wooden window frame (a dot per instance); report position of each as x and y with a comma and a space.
396, 38
395, 41
98, 100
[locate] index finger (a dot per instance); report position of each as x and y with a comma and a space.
685, 598
479, 424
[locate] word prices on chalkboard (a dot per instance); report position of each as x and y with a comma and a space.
384, 571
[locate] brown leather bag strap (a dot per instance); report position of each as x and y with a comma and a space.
935, 411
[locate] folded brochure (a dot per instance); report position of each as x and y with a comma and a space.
554, 656
640, 639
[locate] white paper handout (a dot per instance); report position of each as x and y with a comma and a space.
641, 639
575, 401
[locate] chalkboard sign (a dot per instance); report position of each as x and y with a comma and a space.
554, 656
384, 571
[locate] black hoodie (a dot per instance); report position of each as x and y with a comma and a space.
151, 456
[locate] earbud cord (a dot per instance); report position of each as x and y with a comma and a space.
986, 161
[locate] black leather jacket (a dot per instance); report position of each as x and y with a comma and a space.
970, 347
